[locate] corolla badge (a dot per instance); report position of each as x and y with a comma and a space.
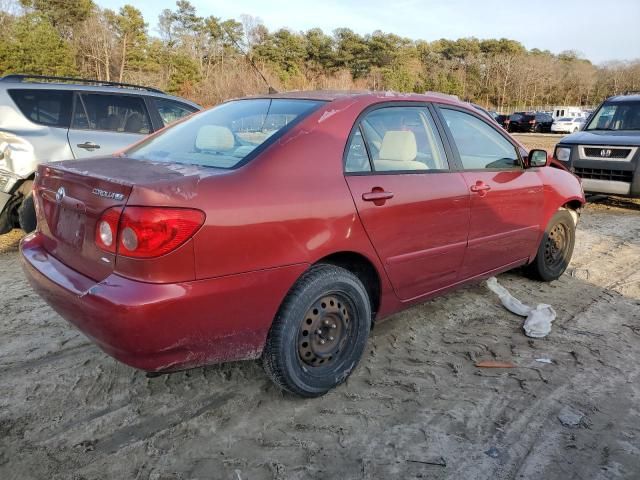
105, 194
60, 194
605, 153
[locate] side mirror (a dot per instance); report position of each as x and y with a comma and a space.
536, 158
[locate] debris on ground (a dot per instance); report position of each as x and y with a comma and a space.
544, 360
539, 319
570, 417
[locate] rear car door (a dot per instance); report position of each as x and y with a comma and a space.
506, 199
413, 207
105, 123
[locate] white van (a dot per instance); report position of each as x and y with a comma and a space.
567, 111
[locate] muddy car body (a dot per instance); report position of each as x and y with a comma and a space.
354, 207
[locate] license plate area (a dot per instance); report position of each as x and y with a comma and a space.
70, 227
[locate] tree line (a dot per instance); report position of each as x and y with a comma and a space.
209, 59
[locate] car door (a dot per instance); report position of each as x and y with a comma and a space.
506, 199
414, 208
105, 123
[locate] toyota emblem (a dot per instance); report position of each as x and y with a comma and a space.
60, 194
605, 153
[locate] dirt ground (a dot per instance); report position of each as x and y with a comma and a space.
545, 141
416, 407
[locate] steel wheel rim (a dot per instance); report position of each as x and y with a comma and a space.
324, 331
556, 245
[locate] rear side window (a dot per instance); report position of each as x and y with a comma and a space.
225, 135
112, 113
171, 111
479, 145
399, 139
44, 107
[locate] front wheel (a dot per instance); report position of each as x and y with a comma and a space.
319, 333
555, 249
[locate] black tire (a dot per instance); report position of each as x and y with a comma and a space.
555, 249
27, 214
326, 299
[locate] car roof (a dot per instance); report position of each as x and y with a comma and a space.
373, 95
9, 82
626, 97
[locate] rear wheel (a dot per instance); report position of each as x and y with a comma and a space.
320, 332
27, 214
556, 248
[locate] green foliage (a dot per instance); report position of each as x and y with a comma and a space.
34, 46
62, 14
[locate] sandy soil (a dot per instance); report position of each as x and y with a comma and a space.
545, 141
416, 407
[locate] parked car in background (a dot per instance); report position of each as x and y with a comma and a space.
529, 122
283, 226
562, 111
500, 118
55, 118
567, 124
606, 153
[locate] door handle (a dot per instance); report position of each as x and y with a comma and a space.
377, 196
88, 146
479, 187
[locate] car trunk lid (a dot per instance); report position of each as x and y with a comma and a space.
71, 197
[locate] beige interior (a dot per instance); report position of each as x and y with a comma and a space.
398, 152
215, 137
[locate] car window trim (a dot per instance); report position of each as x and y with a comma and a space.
439, 106
357, 126
79, 94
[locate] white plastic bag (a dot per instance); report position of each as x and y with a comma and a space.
539, 319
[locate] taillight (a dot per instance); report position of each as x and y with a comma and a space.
146, 232
107, 229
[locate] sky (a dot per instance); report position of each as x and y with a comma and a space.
600, 30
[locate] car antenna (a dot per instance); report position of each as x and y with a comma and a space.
246, 55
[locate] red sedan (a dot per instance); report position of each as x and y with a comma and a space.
284, 226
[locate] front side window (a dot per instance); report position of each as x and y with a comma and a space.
171, 111
112, 113
479, 145
45, 107
401, 139
225, 135
616, 116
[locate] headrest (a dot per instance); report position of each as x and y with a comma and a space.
214, 137
398, 145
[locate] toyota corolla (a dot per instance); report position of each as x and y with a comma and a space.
283, 227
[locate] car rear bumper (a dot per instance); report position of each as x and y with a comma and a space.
163, 327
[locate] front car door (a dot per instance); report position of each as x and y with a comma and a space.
506, 199
105, 123
413, 207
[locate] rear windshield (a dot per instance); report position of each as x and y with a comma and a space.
616, 116
45, 107
225, 135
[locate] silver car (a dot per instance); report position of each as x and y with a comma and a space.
44, 119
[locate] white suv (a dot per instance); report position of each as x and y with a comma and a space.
45, 119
